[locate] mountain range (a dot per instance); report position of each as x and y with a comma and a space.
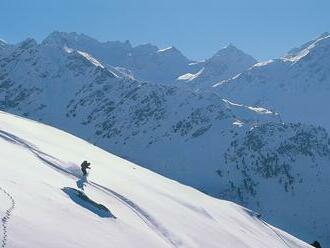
145, 62
295, 85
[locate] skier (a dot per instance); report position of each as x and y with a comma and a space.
84, 166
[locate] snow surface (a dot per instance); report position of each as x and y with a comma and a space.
41, 165
91, 59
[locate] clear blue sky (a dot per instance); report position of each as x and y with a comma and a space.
263, 28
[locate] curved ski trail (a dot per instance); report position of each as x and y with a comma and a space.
55, 163
274, 231
143, 215
5, 219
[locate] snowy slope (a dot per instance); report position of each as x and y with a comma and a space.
181, 134
225, 64
146, 62
296, 85
147, 210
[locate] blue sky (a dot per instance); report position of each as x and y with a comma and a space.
263, 28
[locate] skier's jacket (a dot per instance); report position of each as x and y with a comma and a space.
84, 166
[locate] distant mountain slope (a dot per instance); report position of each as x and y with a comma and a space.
5, 48
226, 63
196, 138
42, 207
296, 85
146, 62
3, 44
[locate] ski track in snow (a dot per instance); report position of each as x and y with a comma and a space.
5, 219
277, 234
55, 163
147, 219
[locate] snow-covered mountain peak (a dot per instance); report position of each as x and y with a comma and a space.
229, 49
297, 53
86, 43
307, 44
65, 38
173, 54
224, 64
172, 51
231, 52
57, 38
